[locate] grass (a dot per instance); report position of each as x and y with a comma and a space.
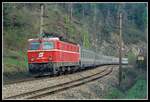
14, 64
133, 86
10, 64
114, 93
138, 91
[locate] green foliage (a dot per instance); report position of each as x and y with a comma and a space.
132, 35
114, 93
69, 26
78, 11
141, 19
133, 86
86, 42
15, 38
15, 61
131, 58
26, 17
106, 33
138, 91
137, 13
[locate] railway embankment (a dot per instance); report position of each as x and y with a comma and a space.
23, 87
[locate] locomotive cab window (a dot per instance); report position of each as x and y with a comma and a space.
34, 45
48, 45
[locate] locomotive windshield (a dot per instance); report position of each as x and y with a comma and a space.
34, 45
48, 45
45, 45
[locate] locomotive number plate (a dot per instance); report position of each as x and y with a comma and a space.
41, 54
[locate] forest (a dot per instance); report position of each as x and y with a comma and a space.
92, 25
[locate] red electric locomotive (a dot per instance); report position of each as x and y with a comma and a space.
52, 56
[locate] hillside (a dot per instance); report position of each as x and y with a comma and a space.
82, 23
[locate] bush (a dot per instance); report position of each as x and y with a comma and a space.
132, 35
131, 58
15, 62
139, 90
114, 93
86, 42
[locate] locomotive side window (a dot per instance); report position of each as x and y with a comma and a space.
48, 45
34, 45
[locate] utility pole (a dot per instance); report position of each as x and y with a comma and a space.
71, 9
42, 20
120, 49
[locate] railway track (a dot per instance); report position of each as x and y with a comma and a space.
35, 78
61, 87
25, 80
18, 81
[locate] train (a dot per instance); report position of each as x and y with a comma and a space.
53, 56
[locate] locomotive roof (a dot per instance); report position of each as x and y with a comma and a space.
34, 39
54, 38
61, 37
